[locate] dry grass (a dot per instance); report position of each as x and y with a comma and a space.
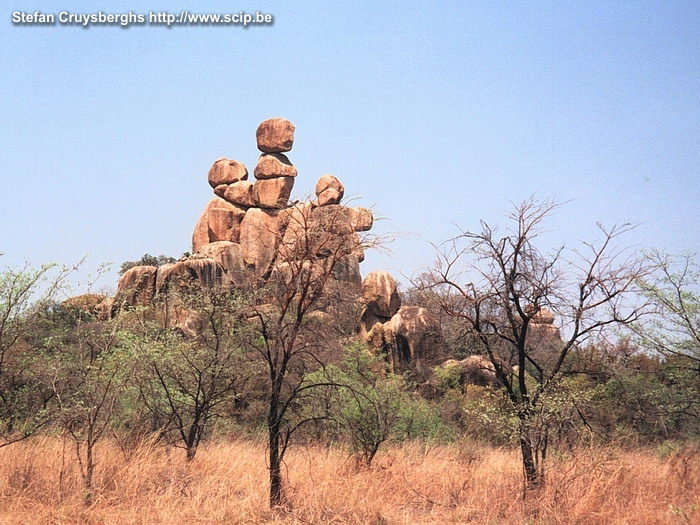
410, 484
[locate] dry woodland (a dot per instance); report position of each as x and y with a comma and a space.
262, 379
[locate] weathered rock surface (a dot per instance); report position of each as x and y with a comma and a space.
275, 135
226, 171
228, 254
204, 272
220, 190
380, 294
224, 224
273, 193
329, 190
220, 221
261, 231
87, 302
240, 193
416, 340
273, 165
368, 320
136, 287
473, 370
361, 219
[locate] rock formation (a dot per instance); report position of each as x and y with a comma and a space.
409, 336
249, 231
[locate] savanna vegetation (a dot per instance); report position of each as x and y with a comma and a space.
258, 403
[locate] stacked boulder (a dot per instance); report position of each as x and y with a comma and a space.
248, 231
409, 336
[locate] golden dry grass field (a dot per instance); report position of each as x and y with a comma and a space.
408, 484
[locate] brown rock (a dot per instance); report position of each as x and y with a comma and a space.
229, 255
182, 275
240, 193
200, 235
275, 135
224, 225
260, 235
416, 341
104, 309
274, 165
220, 221
358, 248
136, 287
220, 190
273, 193
362, 219
226, 171
329, 196
328, 182
88, 303
333, 219
347, 270
298, 222
380, 294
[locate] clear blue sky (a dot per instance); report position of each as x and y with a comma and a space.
434, 114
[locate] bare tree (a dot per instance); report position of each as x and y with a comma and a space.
315, 272
500, 284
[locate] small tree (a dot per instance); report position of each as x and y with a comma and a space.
364, 401
497, 284
25, 295
89, 370
673, 330
674, 293
317, 245
184, 380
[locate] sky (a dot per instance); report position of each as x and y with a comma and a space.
436, 115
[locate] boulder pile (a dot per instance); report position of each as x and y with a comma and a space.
409, 336
249, 231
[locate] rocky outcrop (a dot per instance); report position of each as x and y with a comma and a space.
409, 336
220, 221
249, 232
273, 165
273, 192
473, 370
542, 324
260, 235
416, 340
136, 287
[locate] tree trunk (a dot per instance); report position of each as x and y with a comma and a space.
533, 466
89, 472
275, 465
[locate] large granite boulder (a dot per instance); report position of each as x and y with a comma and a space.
261, 231
275, 135
240, 193
204, 273
226, 171
416, 341
273, 165
329, 190
380, 294
136, 287
220, 221
273, 193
